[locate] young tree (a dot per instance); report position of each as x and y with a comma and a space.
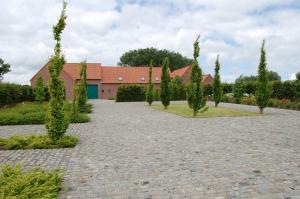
149, 96
178, 89
39, 91
262, 91
82, 98
4, 68
75, 101
57, 122
164, 84
238, 90
217, 89
195, 95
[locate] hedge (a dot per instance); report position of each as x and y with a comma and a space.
131, 93
15, 93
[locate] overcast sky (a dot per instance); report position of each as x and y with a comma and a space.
102, 30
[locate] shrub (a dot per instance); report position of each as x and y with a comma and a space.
16, 142
131, 93
239, 90
227, 88
82, 90
248, 100
208, 90
39, 91
178, 89
250, 87
156, 95
14, 93
34, 184
289, 90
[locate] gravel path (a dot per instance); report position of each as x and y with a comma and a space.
132, 151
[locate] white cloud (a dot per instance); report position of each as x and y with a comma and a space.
102, 31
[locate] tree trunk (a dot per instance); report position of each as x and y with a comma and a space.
216, 104
261, 110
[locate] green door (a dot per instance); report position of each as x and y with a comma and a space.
92, 90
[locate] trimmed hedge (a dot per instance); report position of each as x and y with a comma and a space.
15, 93
131, 93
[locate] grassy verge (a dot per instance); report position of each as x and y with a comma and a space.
36, 142
34, 113
185, 111
34, 184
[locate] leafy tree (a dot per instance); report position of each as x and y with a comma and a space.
39, 91
57, 122
141, 57
262, 91
298, 76
74, 110
4, 68
149, 96
178, 89
238, 90
217, 89
273, 76
195, 89
164, 84
82, 98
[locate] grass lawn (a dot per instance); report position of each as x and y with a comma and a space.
34, 113
16, 142
34, 184
185, 111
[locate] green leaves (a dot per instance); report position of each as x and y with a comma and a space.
39, 90
165, 94
149, 95
217, 89
82, 95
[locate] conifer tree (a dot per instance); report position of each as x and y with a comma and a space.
195, 95
74, 110
82, 98
165, 83
262, 92
217, 89
39, 90
57, 122
149, 96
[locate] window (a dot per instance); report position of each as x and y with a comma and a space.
120, 78
143, 78
156, 78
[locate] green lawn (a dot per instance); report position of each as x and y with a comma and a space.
33, 184
185, 111
34, 113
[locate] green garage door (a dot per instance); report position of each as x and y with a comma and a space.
92, 90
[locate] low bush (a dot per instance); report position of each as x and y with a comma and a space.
36, 142
33, 184
14, 93
131, 93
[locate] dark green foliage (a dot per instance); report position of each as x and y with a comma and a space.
239, 90
208, 90
149, 96
131, 93
262, 92
165, 94
33, 184
277, 89
227, 87
289, 90
217, 89
39, 91
178, 89
157, 95
74, 110
57, 122
14, 93
195, 89
272, 76
298, 76
4, 68
82, 94
16, 142
250, 87
34, 113
141, 57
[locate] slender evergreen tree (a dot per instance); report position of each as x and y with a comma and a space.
74, 110
149, 96
195, 95
165, 83
82, 98
57, 122
39, 91
217, 88
262, 92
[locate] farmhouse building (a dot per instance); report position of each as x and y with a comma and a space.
104, 81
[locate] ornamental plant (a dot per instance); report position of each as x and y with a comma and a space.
74, 110
149, 96
82, 98
39, 91
262, 92
165, 94
57, 122
195, 95
217, 89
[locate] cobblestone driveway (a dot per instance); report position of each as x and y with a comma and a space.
132, 151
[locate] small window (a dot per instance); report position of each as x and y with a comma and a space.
156, 79
143, 78
120, 78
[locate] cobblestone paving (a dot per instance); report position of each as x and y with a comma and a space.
132, 151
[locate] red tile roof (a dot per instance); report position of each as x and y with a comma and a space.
93, 70
129, 75
179, 72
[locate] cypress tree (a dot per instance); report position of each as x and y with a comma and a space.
195, 89
262, 92
57, 122
217, 89
164, 84
74, 110
82, 98
149, 96
39, 90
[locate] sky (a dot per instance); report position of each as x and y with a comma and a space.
102, 30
